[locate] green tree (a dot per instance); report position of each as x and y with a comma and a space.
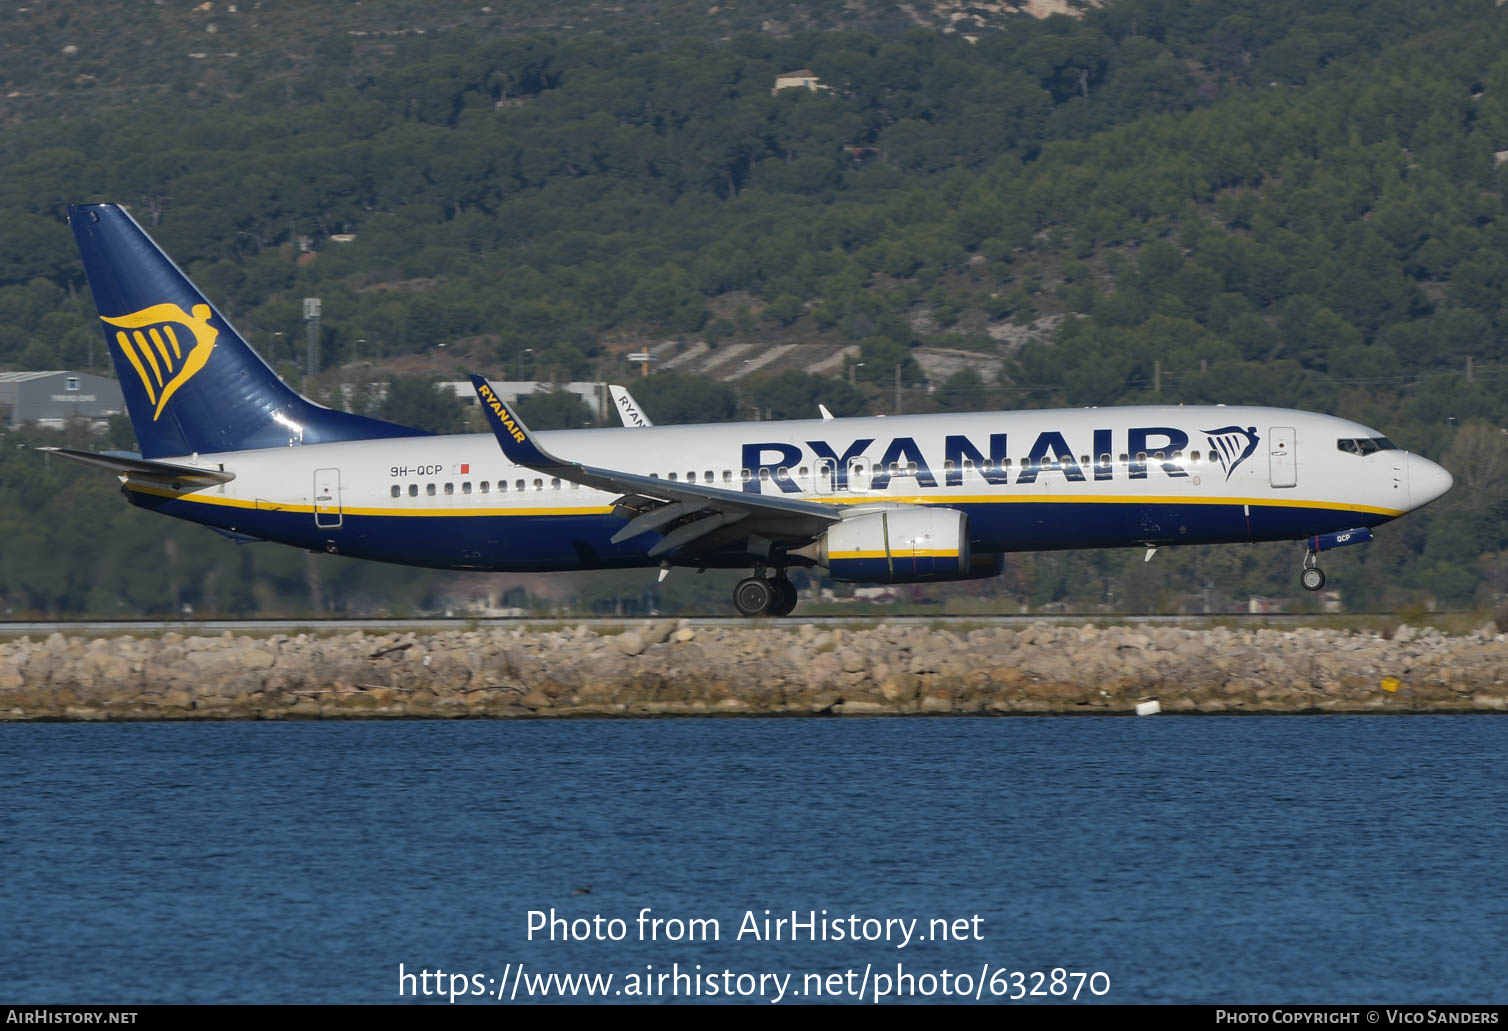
555, 410
680, 397
422, 404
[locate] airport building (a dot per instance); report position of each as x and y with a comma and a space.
593, 395
52, 398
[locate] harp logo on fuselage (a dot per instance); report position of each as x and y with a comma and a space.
162, 358
1232, 445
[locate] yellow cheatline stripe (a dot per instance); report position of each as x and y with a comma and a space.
130, 353
1103, 499
899, 553
1106, 499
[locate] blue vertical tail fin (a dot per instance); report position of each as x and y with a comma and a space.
192, 384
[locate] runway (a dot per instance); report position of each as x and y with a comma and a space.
323, 626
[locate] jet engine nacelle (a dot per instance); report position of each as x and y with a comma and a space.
902, 545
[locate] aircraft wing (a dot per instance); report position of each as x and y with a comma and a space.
693, 517
179, 477
628, 409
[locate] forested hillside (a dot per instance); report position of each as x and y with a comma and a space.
1293, 203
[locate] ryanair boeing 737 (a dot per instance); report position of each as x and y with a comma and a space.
905, 499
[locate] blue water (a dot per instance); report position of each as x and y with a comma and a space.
1257, 859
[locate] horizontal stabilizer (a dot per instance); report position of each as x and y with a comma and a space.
177, 476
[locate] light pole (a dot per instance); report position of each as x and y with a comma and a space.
852, 369
311, 331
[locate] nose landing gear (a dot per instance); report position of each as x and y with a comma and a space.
758, 596
1313, 577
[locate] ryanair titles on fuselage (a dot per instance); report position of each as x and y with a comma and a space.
1144, 447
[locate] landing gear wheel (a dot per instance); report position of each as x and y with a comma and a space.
1312, 578
785, 597
754, 596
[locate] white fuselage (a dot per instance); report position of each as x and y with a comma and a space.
1029, 480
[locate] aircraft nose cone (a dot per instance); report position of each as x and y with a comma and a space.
1427, 481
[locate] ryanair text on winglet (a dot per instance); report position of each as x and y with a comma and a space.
496, 405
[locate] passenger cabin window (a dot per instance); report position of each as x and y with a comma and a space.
539, 483
450, 488
466, 487
413, 490
429, 488
555, 483
518, 484
397, 490
727, 475
482, 486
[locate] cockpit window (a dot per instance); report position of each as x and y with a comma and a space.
1365, 445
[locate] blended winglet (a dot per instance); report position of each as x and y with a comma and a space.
512, 435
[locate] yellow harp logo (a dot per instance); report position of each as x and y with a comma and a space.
160, 358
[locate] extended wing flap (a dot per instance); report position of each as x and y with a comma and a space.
786, 517
179, 477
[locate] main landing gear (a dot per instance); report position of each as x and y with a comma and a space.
1313, 577
759, 596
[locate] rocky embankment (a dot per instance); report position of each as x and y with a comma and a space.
665, 668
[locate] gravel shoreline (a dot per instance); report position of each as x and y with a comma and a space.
667, 668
